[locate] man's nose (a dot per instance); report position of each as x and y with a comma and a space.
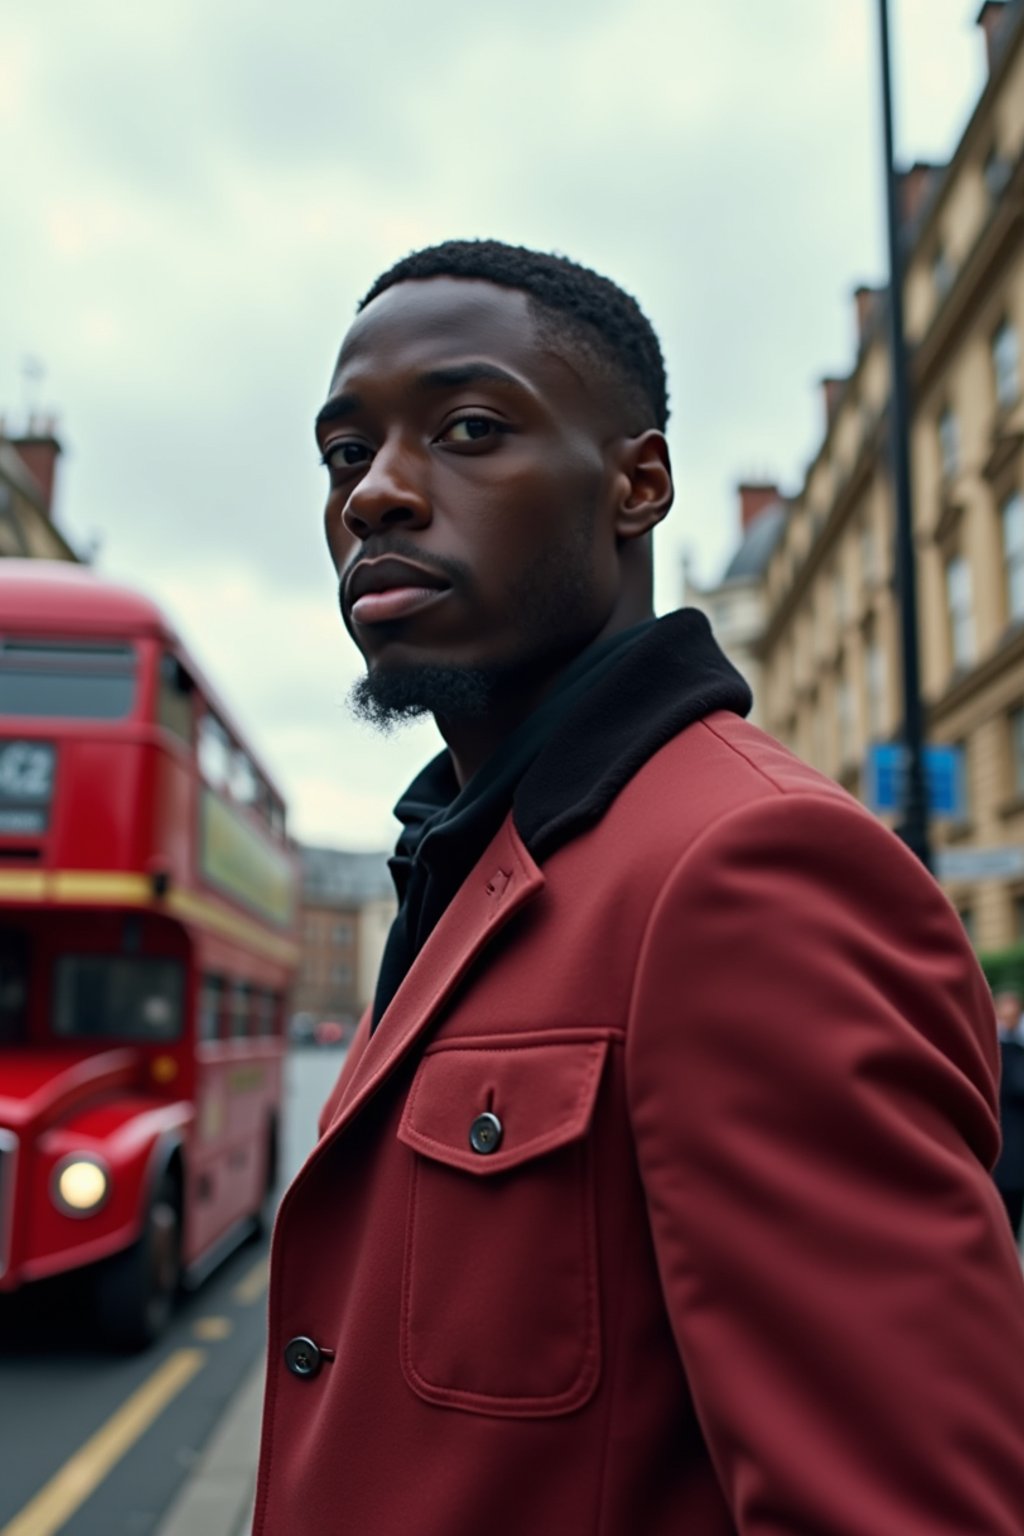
390, 495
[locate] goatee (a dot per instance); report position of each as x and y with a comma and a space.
391, 697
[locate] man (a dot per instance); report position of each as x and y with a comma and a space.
1009, 1170
654, 1195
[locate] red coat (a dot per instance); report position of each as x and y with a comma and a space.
731, 1260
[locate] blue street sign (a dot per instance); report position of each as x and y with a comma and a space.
944, 779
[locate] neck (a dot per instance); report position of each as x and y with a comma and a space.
471, 743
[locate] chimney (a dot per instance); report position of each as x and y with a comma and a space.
990, 19
865, 299
754, 499
914, 185
38, 450
831, 389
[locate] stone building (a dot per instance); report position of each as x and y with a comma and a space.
347, 905
28, 467
735, 606
830, 643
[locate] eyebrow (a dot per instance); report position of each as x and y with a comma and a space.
454, 377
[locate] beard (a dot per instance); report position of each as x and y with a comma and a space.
388, 699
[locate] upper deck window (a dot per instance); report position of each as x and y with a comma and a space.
45, 679
214, 751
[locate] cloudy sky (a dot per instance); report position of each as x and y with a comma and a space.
195, 195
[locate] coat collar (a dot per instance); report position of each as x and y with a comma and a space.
503, 880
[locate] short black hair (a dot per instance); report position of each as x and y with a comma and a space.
588, 310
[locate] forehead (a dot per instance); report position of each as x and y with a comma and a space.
427, 323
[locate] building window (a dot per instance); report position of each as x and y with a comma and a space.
943, 272
874, 661
949, 442
868, 552
996, 172
839, 592
847, 722
1018, 915
341, 975
961, 617
1012, 517
342, 934
1006, 364
1016, 722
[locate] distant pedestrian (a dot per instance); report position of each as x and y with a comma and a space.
1009, 1170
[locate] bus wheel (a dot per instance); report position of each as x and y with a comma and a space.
136, 1289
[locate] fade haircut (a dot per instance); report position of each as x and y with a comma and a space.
570, 303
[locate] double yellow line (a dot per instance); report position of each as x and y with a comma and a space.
54, 1504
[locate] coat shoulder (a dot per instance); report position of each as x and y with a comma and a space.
720, 765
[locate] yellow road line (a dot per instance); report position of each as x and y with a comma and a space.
249, 1289
54, 1504
208, 1328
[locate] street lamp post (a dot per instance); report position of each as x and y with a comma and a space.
914, 827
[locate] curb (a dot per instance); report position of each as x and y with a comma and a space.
217, 1498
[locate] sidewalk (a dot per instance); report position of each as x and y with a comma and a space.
216, 1499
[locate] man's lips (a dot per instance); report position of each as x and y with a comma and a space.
378, 591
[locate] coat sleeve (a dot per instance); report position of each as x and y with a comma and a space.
811, 1065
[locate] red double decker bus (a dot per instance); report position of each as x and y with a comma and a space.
147, 896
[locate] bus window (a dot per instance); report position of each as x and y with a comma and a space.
239, 1020
110, 997
211, 1003
44, 679
214, 751
13, 987
266, 1010
244, 783
174, 698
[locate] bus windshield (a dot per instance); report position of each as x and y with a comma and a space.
110, 997
46, 679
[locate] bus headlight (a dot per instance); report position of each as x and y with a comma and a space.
80, 1184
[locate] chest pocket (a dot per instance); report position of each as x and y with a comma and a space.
500, 1308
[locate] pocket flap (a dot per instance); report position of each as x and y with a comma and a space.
542, 1095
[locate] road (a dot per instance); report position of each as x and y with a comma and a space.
93, 1444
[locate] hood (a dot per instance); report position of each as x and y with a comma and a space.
38, 1085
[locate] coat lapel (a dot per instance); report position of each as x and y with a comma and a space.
503, 880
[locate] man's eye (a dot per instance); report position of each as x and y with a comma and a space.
345, 454
470, 429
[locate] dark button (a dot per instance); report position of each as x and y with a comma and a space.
303, 1358
485, 1133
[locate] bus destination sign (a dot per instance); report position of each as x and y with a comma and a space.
26, 786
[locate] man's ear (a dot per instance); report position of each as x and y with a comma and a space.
646, 484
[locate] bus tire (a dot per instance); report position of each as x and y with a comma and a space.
136, 1289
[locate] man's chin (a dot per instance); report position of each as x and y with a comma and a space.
389, 697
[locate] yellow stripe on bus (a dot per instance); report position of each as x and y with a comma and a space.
101, 887
54, 1505
87, 885
25, 884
